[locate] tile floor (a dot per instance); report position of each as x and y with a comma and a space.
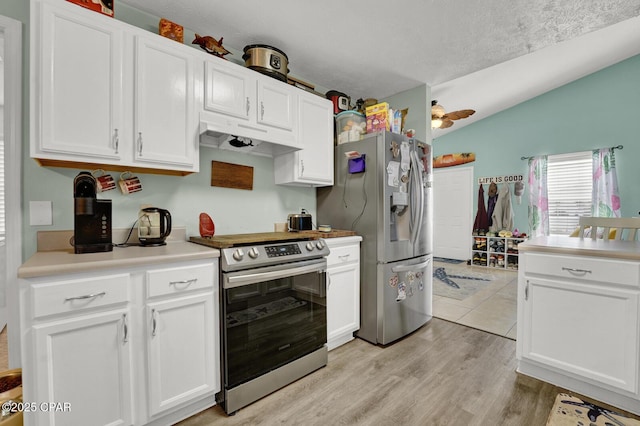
491, 309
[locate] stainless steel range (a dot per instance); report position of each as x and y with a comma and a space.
273, 314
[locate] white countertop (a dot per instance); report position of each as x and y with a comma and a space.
65, 261
629, 250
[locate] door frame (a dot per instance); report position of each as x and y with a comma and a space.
12, 32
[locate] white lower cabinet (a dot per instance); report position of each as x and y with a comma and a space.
83, 363
122, 347
343, 290
181, 350
579, 325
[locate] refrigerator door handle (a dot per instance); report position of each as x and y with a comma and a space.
406, 268
417, 194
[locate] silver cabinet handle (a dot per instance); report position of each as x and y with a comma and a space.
344, 256
187, 282
248, 105
576, 271
116, 140
140, 144
153, 323
86, 296
125, 329
261, 110
526, 291
302, 167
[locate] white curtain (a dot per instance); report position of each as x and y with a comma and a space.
606, 198
538, 198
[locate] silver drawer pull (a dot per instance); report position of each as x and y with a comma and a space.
154, 324
576, 271
125, 330
187, 282
344, 256
86, 296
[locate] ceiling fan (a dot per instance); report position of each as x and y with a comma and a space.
440, 119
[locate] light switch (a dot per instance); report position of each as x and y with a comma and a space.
40, 213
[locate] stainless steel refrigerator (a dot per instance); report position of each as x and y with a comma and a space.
382, 191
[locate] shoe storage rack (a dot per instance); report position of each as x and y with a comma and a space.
495, 252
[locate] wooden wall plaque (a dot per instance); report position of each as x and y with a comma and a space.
229, 175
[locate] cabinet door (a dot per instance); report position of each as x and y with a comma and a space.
315, 130
313, 165
343, 301
85, 361
276, 103
589, 331
182, 341
228, 89
165, 121
77, 86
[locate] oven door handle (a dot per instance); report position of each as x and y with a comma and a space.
246, 279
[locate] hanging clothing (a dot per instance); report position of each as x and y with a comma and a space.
482, 219
491, 202
503, 212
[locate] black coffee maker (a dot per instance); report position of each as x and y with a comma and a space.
92, 217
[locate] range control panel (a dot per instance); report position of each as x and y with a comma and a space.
255, 256
282, 250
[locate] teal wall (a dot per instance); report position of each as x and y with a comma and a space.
599, 110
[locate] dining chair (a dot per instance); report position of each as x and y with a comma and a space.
613, 228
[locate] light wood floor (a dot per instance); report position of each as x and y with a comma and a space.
443, 374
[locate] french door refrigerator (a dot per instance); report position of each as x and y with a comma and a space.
382, 191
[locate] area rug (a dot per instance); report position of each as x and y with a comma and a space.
571, 411
458, 282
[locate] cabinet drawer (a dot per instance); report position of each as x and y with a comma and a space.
343, 254
79, 294
584, 268
179, 279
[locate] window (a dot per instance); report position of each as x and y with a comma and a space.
569, 186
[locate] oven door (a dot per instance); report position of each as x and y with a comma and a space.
272, 316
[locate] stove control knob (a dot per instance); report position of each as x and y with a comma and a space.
320, 245
238, 254
253, 253
309, 246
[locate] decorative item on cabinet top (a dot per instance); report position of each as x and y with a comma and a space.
171, 30
103, 6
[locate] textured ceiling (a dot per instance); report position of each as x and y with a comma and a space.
376, 48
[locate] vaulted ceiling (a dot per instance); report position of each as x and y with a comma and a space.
376, 48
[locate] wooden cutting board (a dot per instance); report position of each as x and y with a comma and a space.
229, 175
225, 241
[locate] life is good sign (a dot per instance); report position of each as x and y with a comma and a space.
501, 179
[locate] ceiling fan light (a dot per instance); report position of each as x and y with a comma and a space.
436, 123
437, 110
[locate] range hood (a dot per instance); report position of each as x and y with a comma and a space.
227, 133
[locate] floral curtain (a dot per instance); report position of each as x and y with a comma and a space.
538, 198
605, 196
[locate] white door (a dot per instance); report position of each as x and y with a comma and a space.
227, 89
452, 212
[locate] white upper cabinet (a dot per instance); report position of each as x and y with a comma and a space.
276, 103
76, 85
106, 93
165, 129
313, 165
241, 102
229, 89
